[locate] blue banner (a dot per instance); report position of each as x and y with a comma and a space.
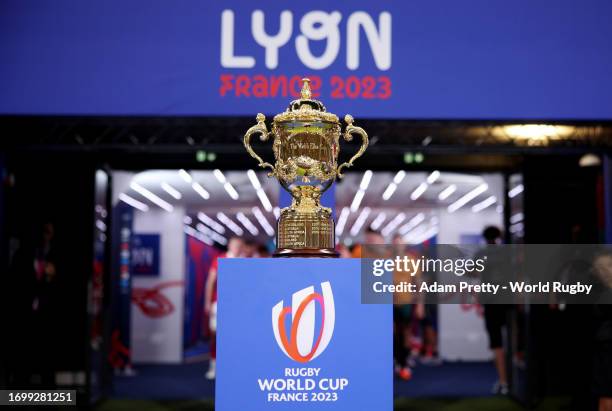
293, 334
145, 254
443, 59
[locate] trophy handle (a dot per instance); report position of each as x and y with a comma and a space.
348, 136
260, 128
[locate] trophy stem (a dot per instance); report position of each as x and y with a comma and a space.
305, 229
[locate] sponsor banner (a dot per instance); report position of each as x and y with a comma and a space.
489, 274
542, 60
293, 334
145, 254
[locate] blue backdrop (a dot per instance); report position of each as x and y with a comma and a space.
249, 353
483, 59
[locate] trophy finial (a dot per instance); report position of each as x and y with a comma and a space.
306, 93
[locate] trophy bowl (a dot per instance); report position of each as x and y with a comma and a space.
306, 147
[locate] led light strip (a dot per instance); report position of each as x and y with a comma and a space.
412, 223
418, 192
516, 191
229, 188
342, 221
200, 190
393, 224
467, 198
171, 190
489, 201
211, 223
363, 186
444, 194
151, 197
211, 234
361, 219
185, 175
230, 223
393, 185
263, 221
265, 201
378, 221
247, 223
196, 234
133, 202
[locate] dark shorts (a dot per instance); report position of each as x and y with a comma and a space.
495, 319
602, 369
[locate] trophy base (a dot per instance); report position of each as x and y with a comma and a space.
306, 252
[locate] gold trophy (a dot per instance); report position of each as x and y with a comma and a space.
306, 147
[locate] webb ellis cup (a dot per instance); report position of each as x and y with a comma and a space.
306, 146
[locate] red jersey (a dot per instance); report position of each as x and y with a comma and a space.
215, 266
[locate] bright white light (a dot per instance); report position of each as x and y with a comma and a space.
226, 184
231, 191
418, 192
399, 176
413, 222
516, 191
185, 175
489, 201
365, 180
263, 221
211, 234
433, 177
171, 190
133, 202
444, 194
357, 200
276, 212
254, 180
342, 221
361, 219
389, 191
265, 202
100, 224
516, 218
393, 224
230, 223
363, 186
421, 237
151, 197
380, 218
187, 220
516, 228
466, 198
196, 234
211, 223
247, 223
200, 190
219, 176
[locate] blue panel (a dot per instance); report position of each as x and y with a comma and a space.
329, 337
523, 59
145, 254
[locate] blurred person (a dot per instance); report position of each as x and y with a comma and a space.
495, 315
34, 277
371, 237
602, 332
404, 305
262, 251
343, 250
250, 249
235, 249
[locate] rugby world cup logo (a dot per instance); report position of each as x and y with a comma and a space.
299, 342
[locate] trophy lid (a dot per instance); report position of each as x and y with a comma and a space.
306, 108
